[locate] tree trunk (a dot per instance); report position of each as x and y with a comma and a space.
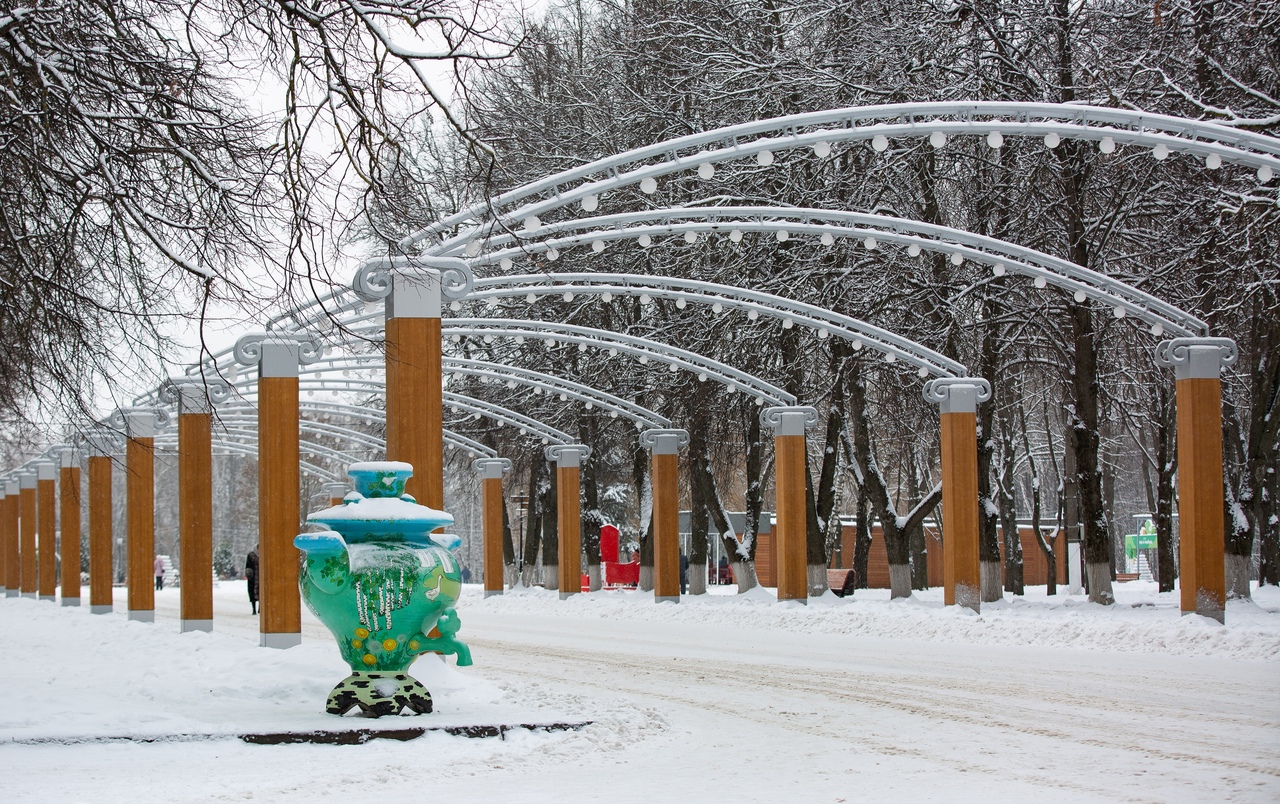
551, 533
533, 522
591, 517
862, 540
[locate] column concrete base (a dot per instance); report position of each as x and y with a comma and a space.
969, 597
492, 592
567, 595
281, 641
32, 595
12, 592
143, 616
667, 599
104, 609
71, 601
194, 625
803, 601
49, 598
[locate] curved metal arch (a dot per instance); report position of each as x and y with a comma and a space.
372, 415
592, 397
638, 347
858, 332
498, 413
583, 393
900, 231
240, 447
309, 447
844, 125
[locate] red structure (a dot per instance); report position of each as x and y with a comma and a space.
617, 575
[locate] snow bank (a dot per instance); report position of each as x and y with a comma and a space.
1143, 620
82, 678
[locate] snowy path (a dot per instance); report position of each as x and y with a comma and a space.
693, 705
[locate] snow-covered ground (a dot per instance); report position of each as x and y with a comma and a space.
721, 698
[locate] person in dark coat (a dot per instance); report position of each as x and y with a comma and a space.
251, 577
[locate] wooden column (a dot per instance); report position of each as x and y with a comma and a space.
664, 446
100, 544
958, 399
140, 513
279, 479
415, 407
336, 493
568, 459
790, 483
4, 538
1198, 364
13, 560
195, 503
491, 470
47, 529
27, 533
69, 526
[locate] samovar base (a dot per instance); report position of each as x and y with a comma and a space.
379, 695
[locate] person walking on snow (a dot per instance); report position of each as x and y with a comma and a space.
251, 577
159, 567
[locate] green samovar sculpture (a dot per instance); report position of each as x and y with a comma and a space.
385, 585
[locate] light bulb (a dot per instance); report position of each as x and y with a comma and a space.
648, 185
568, 295
753, 315
1213, 161
532, 223
1107, 145
717, 307
782, 235
505, 263
1041, 282
997, 270
1160, 152
690, 237
937, 139
597, 246
913, 250
1052, 140
606, 297
553, 254
822, 149
1079, 296
957, 258
735, 236
644, 240
455, 306
706, 170
827, 239
995, 139
590, 203
1265, 174
1119, 312
764, 158
880, 142
870, 243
